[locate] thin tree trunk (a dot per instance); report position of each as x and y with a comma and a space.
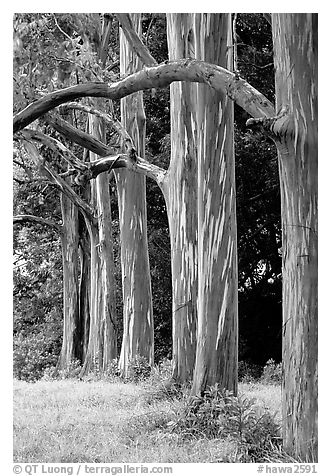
108, 318
71, 341
216, 357
138, 327
295, 50
84, 287
102, 347
94, 357
180, 190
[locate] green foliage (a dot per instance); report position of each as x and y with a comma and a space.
272, 372
248, 371
220, 414
111, 374
138, 369
33, 354
160, 385
37, 302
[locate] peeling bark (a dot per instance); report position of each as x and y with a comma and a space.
160, 76
138, 327
102, 345
180, 190
71, 349
217, 341
295, 49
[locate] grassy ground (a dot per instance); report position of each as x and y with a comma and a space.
70, 421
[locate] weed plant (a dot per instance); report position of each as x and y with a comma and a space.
220, 414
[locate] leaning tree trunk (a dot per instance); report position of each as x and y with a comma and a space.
180, 191
295, 50
138, 327
216, 356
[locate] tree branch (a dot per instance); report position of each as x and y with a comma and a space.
62, 184
56, 146
102, 165
135, 42
267, 17
277, 126
76, 135
159, 76
106, 117
141, 166
21, 219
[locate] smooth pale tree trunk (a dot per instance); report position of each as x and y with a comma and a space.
295, 51
102, 346
94, 357
217, 334
138, 327
106, 254
72, 339
180, 191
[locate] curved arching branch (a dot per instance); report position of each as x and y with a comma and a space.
22, 219
159, 76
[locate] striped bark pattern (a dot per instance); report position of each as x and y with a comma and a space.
72, 340
138, 327
180, 189
102, 345
217, 333
295, 48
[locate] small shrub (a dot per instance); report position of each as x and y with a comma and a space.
111, 373
72, 371
160, 384
162, 390
248, 372
32, 355
138, 369
272, 372
220, 414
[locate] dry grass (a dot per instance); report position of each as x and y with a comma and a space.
70, 421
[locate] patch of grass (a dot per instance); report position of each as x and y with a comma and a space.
99, 422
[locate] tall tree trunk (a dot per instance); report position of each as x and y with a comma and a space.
84, 286
138, 327
102, 347
94, 357
216, 357
180, 190
72, 348
71, 341
295, 50
107, 309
